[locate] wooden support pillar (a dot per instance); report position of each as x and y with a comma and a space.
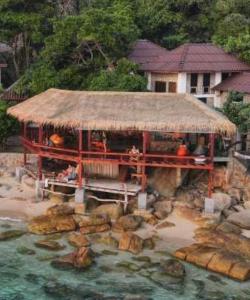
144, 151
24, 149
40, 160
211, 155
80, 170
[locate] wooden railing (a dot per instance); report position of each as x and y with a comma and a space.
121, 158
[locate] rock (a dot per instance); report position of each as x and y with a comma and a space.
130, 222
238, 208
165, 224
128, 265
241, 219
60, 210
240, 271
56, 199
247, 205
131, 242
80, 259
229, 228
114, 211
160, 214
220, 177
235, 194
231, 242
94, 220
108, 252
80, 208
25, 251
222, 262
95, 229
51, 224
173, 267
78, 240
47, 257
142, 259
221, 201
49, 245
227, 212
163, 206
11, 234
149, 243
199, 203
108, 240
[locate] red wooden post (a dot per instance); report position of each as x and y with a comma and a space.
40, 162
211, 154
24, 149
144, 150
80, 170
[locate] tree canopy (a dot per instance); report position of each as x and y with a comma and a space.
78, 44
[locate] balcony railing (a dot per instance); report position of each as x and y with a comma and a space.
200, 90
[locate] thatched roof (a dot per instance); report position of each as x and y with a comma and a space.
122, 111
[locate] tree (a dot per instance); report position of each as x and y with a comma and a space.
8, 125
23, 26
237, 111
124, 77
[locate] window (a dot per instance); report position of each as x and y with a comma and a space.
204, 100
206, 79
224, 76
160, 86
194, 79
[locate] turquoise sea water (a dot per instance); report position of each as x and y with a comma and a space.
25, 276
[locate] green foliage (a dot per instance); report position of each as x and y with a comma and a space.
123, 77
237, 111
8, 125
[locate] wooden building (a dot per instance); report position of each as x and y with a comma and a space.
107, 133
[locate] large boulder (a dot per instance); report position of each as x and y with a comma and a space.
216, 260
164, 206
114, 211
131, 242
95, 229
94, 220
108, 240
51, 224
60, 210
78, 240
80, 259
130, 222
241, 219
221, 201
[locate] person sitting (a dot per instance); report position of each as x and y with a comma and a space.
69, 174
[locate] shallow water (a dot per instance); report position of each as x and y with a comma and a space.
26, 277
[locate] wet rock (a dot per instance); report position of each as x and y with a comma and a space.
51, 224
241, 219
60, 210
95, 229
25, 251
58, 290
131, 242
54, 236
211, 295
47, 257
49, 245
114, 211
11, 234
216, 279
130, 222
173, 267
165, 224
108, 252
33, 278
221, 201
160, 214
108, 240
142, 259
80, 259
78, 240
128, 265
168, 282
